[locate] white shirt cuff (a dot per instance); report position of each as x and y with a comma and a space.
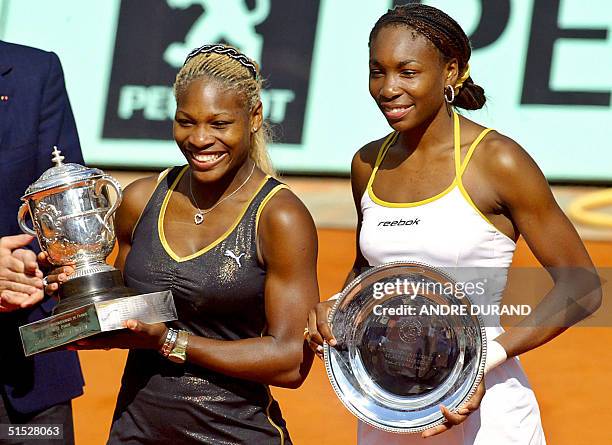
496, 355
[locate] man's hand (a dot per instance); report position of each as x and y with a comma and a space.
21, 284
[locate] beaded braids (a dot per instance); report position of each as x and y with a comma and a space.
236, 71
447, 36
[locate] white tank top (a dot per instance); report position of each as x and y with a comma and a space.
448, 231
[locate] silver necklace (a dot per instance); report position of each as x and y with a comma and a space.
198, 218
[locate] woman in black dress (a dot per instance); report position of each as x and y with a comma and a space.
237, 249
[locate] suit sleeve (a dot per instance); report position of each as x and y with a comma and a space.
56, 124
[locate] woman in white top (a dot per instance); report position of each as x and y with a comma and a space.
464, 194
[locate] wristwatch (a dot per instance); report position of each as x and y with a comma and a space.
169, 342
179, 351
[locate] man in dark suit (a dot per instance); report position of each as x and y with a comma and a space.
35, 115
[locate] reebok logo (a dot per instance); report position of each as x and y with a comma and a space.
400, 222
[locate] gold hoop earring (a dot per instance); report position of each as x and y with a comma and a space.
451, 99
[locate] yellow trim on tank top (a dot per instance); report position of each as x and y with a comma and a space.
162, 212
162, 175
471, 150
383, 203
391, 139
280, 430
270, 398
159, 179
460, 167
264, 201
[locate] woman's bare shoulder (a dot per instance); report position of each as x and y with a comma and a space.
136, 195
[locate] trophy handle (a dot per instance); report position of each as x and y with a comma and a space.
21, 219
114, 184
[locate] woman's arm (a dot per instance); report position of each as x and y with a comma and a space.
361, 169
288, 247
523, 191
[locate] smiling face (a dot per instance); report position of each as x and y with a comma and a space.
407, 77
213, 127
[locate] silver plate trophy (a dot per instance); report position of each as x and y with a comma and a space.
406, 344
72, 216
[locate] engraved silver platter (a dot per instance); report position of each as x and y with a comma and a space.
404, 349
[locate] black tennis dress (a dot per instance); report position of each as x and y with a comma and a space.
219, 294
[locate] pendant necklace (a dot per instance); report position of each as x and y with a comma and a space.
198, 218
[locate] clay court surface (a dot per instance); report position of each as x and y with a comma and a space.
571, 375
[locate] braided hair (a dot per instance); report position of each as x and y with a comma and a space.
226, 68
446, 35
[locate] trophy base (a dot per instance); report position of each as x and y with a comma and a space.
106, 314
89, 289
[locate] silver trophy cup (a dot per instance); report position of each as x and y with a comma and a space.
72, 216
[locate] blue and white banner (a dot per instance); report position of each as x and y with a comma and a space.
544, 64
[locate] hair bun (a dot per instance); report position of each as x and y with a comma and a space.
470, 96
